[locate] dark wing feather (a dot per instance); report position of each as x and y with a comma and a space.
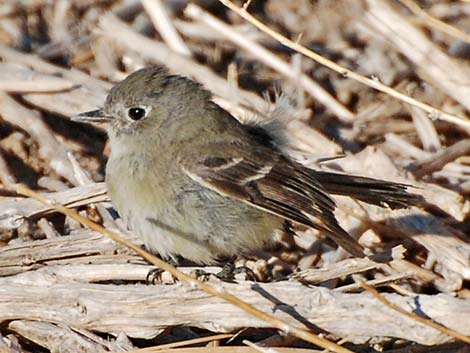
377, 192
269, 181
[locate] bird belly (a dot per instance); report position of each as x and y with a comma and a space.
204, 234
195, 223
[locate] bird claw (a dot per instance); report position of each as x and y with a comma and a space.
227, 274
154, 276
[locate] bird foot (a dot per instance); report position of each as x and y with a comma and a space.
154, 276
227, 274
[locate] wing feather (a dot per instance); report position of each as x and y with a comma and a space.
269, 181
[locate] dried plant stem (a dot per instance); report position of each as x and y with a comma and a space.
433, 112
182, 343
434, 22
277, 323
413, 316
268, 58
259, 348
162, 22
437, 161
37, 86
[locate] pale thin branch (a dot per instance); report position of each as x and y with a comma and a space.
49, 147
184, 343
425, 130
58, 338
413, 316
259, 348
162, 22
431, 62
25, 86
6, 176
385, 280
434, 22
14, 211
268, 58
433, 112
439, 160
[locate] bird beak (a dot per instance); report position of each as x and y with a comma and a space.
94, 117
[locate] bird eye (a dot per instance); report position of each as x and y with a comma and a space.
136, 113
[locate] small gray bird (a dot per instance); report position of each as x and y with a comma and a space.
193, 181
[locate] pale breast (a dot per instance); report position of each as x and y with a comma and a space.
176, 216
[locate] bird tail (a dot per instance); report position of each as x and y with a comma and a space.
377, 192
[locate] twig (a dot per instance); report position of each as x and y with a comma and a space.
433, 112
258, 348
425, 130
279, 324
341, 342
413, 316
434, 22
182, 343
49, 147
6, 176
439, 160
268, 58
162, 22
431, 62
38, 85
14, 211
375, 282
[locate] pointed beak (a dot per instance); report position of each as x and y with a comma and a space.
94, 117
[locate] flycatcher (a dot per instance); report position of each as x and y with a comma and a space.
193, 181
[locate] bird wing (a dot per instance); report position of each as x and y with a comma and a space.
266, 179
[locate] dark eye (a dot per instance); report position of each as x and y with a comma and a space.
136, 113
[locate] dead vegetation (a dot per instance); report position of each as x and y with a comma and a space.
394, 98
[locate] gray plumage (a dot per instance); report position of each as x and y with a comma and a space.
195, 182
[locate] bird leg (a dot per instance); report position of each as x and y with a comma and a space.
155, 275
227, 274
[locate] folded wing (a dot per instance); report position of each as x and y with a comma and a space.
269, 181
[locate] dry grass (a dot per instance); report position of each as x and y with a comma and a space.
387, 84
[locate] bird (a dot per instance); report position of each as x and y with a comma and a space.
194, 182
